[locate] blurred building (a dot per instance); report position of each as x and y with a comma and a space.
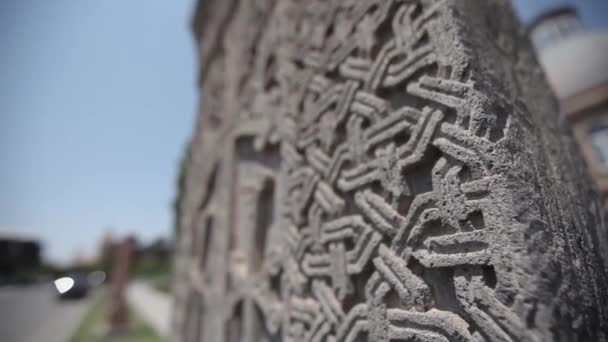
576, 65
19, 255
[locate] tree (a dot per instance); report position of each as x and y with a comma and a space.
382, 170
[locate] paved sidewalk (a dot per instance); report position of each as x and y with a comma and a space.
152, 306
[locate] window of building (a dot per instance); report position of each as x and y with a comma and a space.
599, 141
554, 29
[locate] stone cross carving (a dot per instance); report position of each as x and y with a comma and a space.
381, 170
119, 312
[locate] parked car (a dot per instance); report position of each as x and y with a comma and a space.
72, 286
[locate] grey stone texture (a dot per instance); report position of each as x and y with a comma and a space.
382, 170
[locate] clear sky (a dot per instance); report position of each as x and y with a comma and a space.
593, 13
97, 101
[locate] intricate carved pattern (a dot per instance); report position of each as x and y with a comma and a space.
349, 192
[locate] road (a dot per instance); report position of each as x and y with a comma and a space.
33, 314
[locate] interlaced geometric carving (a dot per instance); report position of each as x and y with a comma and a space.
348, 186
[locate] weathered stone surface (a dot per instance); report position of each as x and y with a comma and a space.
381, 170
119, 312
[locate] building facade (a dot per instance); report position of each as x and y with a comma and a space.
19, 257
576, 66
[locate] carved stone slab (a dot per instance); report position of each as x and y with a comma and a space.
381, 170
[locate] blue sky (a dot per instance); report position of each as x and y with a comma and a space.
593, 13
97, 100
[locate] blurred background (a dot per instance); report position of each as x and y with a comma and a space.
97, 103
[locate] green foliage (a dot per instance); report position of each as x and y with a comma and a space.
48, 268
106, 259
181, 185
147, 265
163, 283
93, 327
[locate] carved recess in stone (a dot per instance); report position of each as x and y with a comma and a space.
349, 184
